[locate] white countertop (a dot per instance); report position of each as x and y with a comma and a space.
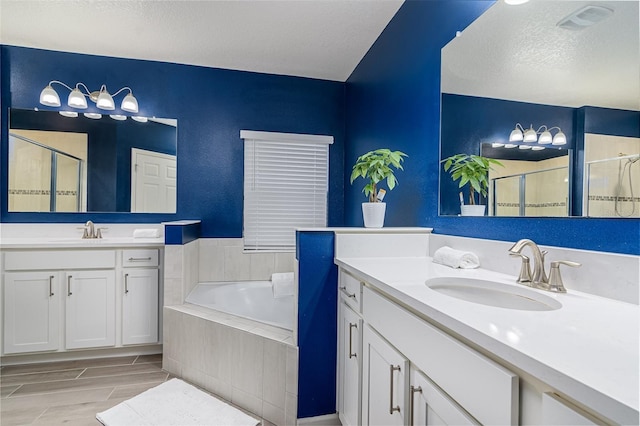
77, 242
587, 349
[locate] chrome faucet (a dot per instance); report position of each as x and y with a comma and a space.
539, 278
90, 232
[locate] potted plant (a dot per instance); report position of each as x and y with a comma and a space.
474, 171
376, 166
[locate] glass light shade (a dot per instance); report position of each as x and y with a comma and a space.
537, 148
118, 117
497, 145
76, 99
530, 135
140, 119
71, 114
559, 139
49, 97
545, 138
129, 103
524, 147
515, 136
93, 115
105, 101
510, 145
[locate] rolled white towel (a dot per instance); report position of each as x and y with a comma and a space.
456, 258
146, 233
282, 284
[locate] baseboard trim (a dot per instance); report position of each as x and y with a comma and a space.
326, 420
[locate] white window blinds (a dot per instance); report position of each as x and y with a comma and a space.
285, 187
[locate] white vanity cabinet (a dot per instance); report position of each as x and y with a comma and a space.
384, 373
64, 299
349, 351
31, 311
140, 296
90, 309
429, 405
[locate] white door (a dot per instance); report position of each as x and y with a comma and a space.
90, 309
350, 362
140, 306
384, 372
31, 307
429, 405
153, 182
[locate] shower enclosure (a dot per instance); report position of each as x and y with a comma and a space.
536, 193
612, 187
43, 178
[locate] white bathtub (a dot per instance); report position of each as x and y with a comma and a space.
248, 299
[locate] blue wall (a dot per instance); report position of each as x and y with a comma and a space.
393, 100
211, 105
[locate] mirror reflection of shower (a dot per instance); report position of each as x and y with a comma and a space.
624, 167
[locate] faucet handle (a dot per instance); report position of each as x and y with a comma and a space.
555, 279
525, 268
99, 232
85, 234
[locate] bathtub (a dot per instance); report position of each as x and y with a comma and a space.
248, 299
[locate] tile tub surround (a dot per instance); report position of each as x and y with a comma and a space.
252, 365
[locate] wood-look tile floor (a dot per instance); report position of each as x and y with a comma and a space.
72, 392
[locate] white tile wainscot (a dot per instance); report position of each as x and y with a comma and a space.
579, 362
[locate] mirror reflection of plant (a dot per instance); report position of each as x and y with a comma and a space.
376, 166
472, 170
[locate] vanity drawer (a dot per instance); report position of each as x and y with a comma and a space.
350, 289
139, 257
483, 388
59, 259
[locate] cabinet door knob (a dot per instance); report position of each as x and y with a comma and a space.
392, 368
413, 390
344, 290
69, 285
51, 285
351, 353
126, 283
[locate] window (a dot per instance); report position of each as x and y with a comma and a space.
285, 187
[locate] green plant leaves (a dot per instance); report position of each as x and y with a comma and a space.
472, 170
376, 166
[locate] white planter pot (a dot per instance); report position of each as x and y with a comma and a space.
472, 210
373, 214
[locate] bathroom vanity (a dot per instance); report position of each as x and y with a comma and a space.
62, 296
410, 354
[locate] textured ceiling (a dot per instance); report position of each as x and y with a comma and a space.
518, 53
309, 38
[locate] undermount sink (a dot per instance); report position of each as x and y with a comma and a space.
492, 293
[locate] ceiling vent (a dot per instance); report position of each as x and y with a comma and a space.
585, 17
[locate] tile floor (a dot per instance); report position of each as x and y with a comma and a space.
72, 392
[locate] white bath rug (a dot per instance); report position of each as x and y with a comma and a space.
175, 403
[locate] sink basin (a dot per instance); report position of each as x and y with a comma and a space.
492, 293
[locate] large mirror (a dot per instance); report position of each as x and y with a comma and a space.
569, 66
81, 164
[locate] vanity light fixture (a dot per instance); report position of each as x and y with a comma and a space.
531, 136
78, 97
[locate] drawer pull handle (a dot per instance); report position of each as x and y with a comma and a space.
69, 285
344, 290
126, 283
351, 353
392, 368
139, 259
51, 285
413, 390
